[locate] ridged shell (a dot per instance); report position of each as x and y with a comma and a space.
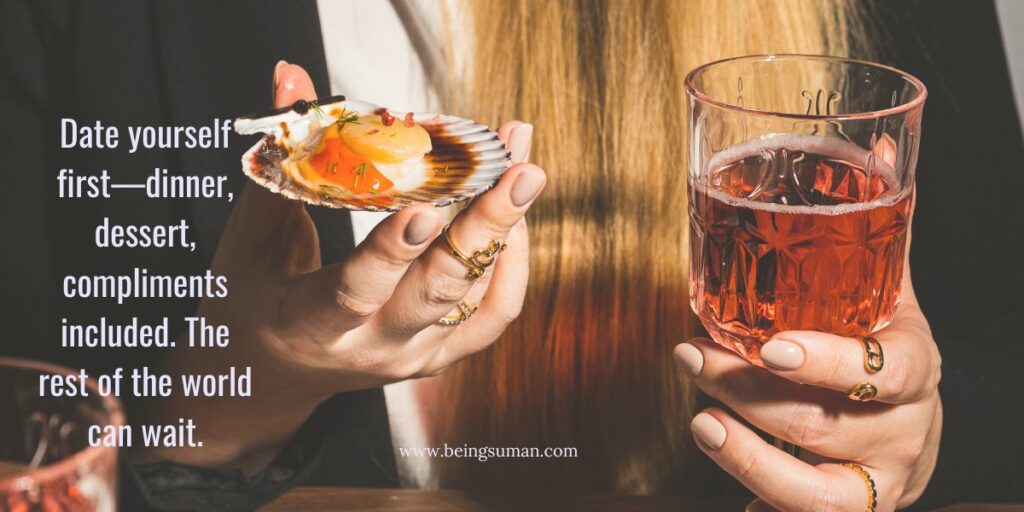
466, 157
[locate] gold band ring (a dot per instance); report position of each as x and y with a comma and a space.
480, 260
465, 313
874, 359
863, 392
869, 483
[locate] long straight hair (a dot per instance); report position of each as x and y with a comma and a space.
588, 364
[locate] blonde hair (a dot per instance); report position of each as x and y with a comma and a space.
588, 364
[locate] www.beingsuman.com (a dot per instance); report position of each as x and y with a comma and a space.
484, 453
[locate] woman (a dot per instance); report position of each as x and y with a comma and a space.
607, 360
587, 364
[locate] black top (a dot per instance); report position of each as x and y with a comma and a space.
133, 62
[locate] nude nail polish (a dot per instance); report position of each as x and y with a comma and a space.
526, 187
782, 355
708, 430
689, 358
520, 142
420, 228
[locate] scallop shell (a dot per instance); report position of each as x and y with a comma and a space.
466, 157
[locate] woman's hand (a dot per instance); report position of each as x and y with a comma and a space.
310, 331
895, 437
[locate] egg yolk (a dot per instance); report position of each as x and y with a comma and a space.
336, 164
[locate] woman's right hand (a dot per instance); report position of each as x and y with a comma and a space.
310, 331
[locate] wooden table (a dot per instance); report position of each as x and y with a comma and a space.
327, 499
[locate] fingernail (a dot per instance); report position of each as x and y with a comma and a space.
277, 70
759, 506
710, 431
528, 184
420, 228
520, 141
689, 358
782, 355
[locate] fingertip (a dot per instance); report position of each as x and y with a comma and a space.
292, 84
524, 167
520, 142
528, 182
783, 354
708, 429
423, 225
506, 128
759, 505
689, 358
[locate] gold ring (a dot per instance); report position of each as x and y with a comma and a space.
873, 357
480, 260
868, 482
465, 313
863, 392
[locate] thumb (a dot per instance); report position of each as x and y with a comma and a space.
266, 223
291, 84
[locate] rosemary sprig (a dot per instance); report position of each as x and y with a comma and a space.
347, 117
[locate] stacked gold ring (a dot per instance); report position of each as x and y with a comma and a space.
478, 262
869, 483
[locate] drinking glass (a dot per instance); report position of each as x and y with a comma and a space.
801, 181
46, 462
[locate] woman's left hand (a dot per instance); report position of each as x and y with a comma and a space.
895, 437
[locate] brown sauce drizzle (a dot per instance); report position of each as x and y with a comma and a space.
450, 159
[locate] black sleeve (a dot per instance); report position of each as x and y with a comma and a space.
27, 31
966, 250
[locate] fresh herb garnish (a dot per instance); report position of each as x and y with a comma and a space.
319, 112
347, 117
